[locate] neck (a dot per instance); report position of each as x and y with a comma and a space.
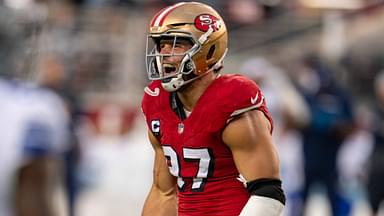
192, 92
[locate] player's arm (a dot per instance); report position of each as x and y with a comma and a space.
249, 138
40, 174
35, 186
161, 200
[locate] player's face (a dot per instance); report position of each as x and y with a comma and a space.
173, 51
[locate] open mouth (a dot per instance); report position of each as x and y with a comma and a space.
169, 69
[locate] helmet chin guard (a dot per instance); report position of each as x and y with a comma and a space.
173, 84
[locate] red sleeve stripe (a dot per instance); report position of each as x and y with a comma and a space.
160, 17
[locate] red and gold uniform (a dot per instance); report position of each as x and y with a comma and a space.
193, 147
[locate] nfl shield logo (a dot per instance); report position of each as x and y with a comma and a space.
180, 128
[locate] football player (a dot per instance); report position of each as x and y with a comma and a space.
211, 133
33, 131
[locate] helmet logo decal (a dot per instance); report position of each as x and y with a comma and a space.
204, 21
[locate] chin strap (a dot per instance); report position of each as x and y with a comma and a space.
174, 84
205, 36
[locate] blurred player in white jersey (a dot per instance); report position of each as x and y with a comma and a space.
33, 131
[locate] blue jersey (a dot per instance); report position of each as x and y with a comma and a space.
33, 123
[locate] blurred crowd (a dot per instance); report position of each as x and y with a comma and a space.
77, 80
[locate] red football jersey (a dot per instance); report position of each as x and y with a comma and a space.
194, 150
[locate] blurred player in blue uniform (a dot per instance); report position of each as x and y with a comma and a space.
33, 131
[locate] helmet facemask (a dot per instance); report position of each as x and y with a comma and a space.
198, 23
172, 74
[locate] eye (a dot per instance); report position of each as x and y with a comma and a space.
164, 42
162, 45
179, 45
183, 42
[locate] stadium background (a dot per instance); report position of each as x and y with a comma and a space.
92, 52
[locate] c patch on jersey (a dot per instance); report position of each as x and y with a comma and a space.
155, 127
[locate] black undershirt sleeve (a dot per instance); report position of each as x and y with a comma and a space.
267, 187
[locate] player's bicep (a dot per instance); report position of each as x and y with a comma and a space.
162, 179
249, 138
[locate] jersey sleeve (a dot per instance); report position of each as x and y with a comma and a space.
243, 95
46, 129
150, 104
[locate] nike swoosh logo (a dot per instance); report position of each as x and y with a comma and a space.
254, 100
154, 93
